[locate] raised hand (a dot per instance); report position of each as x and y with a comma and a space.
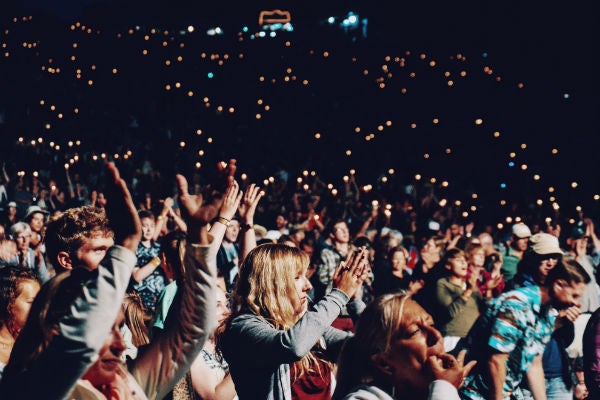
247, 207
493, 282
231, 200
224, 176
351, 274
195, 212
121, 211
474, 277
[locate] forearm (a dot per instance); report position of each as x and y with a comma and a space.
168, 358
84, 328
225, 390
160, 222
300, 339
252, 339
248, 242
217, 231
537, 383
141, 273
364, 227
179, 222
497, 377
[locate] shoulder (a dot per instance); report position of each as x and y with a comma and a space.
248, 321
519, 298
367, 392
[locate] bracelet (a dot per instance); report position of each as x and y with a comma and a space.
155, 262
160, 217
246, 227
222, 220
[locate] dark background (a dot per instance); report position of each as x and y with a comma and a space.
550, 47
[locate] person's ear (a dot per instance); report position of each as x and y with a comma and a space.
380, 362
64, 260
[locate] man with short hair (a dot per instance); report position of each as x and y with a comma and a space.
517, 245
330, 258
509, 339
281, 228
78, 237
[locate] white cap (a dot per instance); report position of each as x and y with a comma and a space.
521, 230
545, 243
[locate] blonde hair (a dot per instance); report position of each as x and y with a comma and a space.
378, 324
265, 281
137, 318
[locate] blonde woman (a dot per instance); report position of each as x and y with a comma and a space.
276, 345
398, 354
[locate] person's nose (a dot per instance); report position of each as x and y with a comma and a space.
307, 285
118, 345
433, 335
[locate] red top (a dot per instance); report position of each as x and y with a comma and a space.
312, 385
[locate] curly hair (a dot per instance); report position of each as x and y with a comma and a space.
67, 231
11, 279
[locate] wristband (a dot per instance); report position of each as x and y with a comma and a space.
155, 262
222, 220
247, 227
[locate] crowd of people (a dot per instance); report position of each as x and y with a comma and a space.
227, 290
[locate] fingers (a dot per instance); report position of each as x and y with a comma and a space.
339, 269
182, 184
461, 356
238, 199
252, 193
448, 360
231, 167
436, 364
258, 197
232, 190
467, 369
